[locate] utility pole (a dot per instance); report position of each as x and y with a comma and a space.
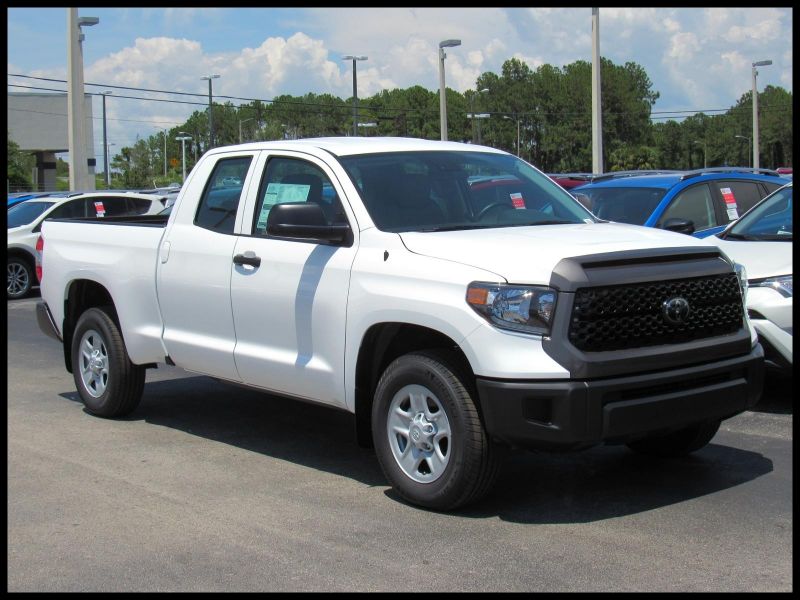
597, 105
76, 118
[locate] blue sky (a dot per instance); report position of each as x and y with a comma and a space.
697, 58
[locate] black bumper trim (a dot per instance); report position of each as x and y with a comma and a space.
570, 414
46, 323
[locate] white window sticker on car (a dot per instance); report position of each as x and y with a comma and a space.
99, 209
517, 201
730, 203
278, 193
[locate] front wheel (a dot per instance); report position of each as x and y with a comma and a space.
677, 443
429, 438
110, 385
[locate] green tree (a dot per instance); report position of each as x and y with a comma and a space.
20, 165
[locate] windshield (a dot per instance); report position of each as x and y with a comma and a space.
26, 212
770, 220
622, 204
443, 190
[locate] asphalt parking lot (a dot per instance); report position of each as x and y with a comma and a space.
212, 487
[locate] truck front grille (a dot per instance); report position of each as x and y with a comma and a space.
634, 315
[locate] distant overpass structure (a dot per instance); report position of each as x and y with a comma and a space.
37, 122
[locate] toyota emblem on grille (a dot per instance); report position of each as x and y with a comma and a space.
676, 311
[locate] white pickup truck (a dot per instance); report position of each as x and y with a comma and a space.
451, 296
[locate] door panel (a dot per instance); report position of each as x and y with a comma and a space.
195, 272
289, 311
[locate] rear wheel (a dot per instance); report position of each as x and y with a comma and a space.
677, 443
110, 385
20, 277
428, 435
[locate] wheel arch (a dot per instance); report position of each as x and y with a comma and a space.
384, 342
82, 294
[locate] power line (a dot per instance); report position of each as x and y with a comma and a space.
336, 107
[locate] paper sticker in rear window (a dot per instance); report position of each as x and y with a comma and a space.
517, 200
730, 203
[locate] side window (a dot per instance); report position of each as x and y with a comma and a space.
220, 201
71, 209
739, 196
107, 207
694, 204
295, 180
771, 187
137, 206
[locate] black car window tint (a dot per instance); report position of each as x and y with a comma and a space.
693, 204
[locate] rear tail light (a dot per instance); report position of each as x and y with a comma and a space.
39, 250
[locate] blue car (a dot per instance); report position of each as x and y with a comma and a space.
699, 203
17, 197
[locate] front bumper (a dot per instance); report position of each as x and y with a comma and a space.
575, 414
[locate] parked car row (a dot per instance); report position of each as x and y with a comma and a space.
25, 220
761, 241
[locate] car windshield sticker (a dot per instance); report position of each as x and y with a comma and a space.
730, 203
278, 193
99, 209
517, 200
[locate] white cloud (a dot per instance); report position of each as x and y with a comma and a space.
683, 47
697, 58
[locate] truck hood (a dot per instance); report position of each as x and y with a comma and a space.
529, 254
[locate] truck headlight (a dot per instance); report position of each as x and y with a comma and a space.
528, 309
741, 273
782, 284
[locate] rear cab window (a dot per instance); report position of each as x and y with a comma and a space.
217, 208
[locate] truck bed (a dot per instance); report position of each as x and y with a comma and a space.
121, 255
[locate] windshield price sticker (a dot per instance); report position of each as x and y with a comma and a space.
730, 203
99, 209
517, 201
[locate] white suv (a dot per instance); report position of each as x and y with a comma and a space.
25, 221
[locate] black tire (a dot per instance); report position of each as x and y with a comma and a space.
21, 277
116, 384
472, 460
677, 443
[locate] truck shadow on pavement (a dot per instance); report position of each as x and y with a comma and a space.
538, 488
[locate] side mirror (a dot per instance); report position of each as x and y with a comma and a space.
679, 226
305, 221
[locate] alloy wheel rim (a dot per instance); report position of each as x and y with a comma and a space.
18, 278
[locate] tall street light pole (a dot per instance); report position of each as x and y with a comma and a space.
183, 138
442, 99
355, 89
515, 118
597, 104
105, 140
705, 157
240, 126
210, 111
761, 63
472, 113
76, 122
108, 153
749, 147
165, 151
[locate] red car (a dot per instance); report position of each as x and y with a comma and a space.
570, 180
